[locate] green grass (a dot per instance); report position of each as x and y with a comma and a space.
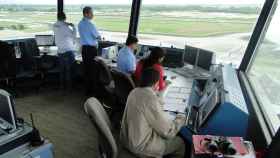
154, 24
191, 28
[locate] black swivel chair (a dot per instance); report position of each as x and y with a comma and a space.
7, 63
50, 70
273, 149
105, 84
27, 67
123, 86
28, 59
33, 47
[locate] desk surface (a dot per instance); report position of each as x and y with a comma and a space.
179, 81
176, 96
26, 151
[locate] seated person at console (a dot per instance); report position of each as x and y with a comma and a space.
146, 131
153, 60
126, 61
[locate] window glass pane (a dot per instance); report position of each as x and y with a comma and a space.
222, 26
21, 18
111, 17
264, 73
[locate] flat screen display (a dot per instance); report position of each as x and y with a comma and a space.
45, 40
7, 111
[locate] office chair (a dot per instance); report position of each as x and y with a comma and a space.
33, 47
27, 67
104, 74
7, 62
105, 83
273, 149
106, 142
123, 86
16, 73
49, 68
29, 56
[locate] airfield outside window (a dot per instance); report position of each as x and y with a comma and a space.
264, 72
25, 18
111, 18
221, 26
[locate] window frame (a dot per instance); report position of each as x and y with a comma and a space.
257, 104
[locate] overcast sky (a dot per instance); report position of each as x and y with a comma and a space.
169, 2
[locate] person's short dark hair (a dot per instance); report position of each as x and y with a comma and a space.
87, 10
131, 40
149, 77
61, 16
154, 57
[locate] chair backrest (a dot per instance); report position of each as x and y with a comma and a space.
273, 148
48, 62
7, 60
123, 85
33, 47
26, 58
104, 73
100, 119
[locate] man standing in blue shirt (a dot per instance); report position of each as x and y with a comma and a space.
126, 61
89, 37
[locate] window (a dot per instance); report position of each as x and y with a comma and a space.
111, 17
264, 73
21, 18
221, 26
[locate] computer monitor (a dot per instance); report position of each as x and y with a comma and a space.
110, 52
113, 52
198, 57
205, 59
143, 51
190, 55
45, 40
213, 100
7, 111
174, 58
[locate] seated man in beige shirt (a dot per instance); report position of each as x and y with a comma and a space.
146, 130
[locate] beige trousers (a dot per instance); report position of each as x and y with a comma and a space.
175, 148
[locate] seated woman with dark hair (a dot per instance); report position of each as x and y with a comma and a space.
146, 131
153, 60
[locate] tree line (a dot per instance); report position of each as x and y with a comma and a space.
244, 9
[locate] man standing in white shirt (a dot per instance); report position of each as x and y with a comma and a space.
65, 36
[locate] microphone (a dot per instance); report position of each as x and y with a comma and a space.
36, 139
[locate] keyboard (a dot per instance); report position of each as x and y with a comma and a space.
196, 73
176, 99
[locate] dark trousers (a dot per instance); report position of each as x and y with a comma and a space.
88, 55
66, 61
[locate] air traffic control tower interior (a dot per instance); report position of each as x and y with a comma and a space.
222, 62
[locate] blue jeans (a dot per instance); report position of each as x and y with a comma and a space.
66, 61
